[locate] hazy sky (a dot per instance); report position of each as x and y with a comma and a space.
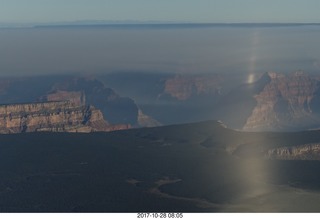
28, 11
181, 50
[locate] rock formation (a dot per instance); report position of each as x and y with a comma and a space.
183, 87
300, 152
115, 109
275, 102
58, 116
284, 103
146, 121
75, 97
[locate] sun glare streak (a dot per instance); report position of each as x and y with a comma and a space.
253, 57
255, 187
250, 78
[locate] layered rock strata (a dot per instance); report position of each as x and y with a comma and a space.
58, 116
300, 152
283, 103
183, 87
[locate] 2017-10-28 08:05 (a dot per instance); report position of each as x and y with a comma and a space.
159, 215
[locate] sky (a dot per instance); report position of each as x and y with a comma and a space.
212, 11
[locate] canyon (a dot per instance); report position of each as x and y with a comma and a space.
66, 104
271, 102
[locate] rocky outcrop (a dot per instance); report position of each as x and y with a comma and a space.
274, 102
146, 121
61, 116
183, 87
75, 97
122, 111
284, 103
300, 152
115, 109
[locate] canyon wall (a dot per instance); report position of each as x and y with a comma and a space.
183, 87
55, 116
284, 103
300, 152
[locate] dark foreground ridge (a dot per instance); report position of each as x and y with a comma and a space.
200, 167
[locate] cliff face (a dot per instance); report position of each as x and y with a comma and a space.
75, 97
275, 102
284, 103
175, 98
301, 152
62, 116
184, 87
146, 121
115, 109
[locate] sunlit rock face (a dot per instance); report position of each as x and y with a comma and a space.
60, 116
286, 102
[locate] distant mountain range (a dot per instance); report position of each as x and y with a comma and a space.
137, 23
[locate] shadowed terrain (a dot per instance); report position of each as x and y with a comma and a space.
200, 167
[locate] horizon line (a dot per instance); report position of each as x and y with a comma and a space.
148, 24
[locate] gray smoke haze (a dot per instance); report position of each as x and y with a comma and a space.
34, 51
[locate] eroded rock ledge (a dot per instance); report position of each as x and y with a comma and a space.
300, 152
55, 116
